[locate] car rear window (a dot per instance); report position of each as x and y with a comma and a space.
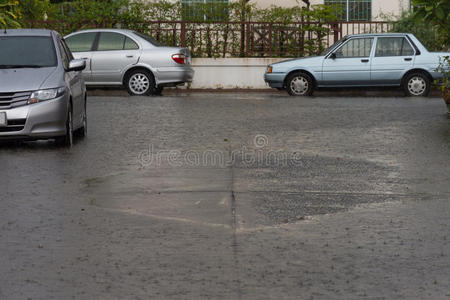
148, 39
23, 51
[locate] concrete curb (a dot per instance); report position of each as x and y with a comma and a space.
349, 92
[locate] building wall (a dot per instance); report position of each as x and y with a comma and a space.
379, 7
268, 3
390, 7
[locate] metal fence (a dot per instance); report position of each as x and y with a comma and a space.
244, 39
257, 39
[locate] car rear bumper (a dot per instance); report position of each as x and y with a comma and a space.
274, 80
177, 74
36, 121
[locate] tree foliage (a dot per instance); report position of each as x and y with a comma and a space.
435, 13
33, 10
9, 14
428, 35
209, 36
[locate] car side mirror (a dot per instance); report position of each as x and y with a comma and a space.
77, 65
333, 55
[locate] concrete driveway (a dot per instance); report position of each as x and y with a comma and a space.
233, 196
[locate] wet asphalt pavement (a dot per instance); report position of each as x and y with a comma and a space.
233, 196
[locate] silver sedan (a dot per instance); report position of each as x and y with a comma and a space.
117, 57
42, 92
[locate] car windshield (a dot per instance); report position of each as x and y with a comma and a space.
148, 39
27, 52
333, 46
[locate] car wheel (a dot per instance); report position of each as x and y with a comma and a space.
67, 139
417, 84
299, 84
83, 130
140, 83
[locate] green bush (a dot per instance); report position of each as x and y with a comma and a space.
9, 14
67, 17
33, 10
210, 37
435, 13
428, 35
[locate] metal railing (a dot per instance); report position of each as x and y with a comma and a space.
242, 39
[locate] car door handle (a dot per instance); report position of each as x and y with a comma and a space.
408, 59
364, 60
130, 56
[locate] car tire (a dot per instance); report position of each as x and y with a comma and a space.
417, 84
140, 82
82, 132
299, 84
157, 91
67, 139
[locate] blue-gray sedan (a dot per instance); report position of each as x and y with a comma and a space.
394, 59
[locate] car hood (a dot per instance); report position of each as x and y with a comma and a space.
27, 79
308, 60
308, 63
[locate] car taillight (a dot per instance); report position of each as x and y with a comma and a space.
179, 58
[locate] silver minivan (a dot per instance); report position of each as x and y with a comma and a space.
42, 91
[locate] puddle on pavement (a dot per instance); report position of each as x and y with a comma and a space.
266, 195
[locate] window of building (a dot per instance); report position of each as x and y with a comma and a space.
205, 10
352, 10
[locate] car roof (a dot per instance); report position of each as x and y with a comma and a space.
104, 29
25, 32
377, 34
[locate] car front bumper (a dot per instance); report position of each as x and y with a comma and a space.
42, 120
274, 80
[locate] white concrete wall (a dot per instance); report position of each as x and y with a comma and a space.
284, 3
379, 7
230, 73
388, 7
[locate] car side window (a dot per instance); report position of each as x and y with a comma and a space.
355, 48
110, 41
130, 44
393, 46
81, 42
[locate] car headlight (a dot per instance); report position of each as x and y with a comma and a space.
48, 94
269, 69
